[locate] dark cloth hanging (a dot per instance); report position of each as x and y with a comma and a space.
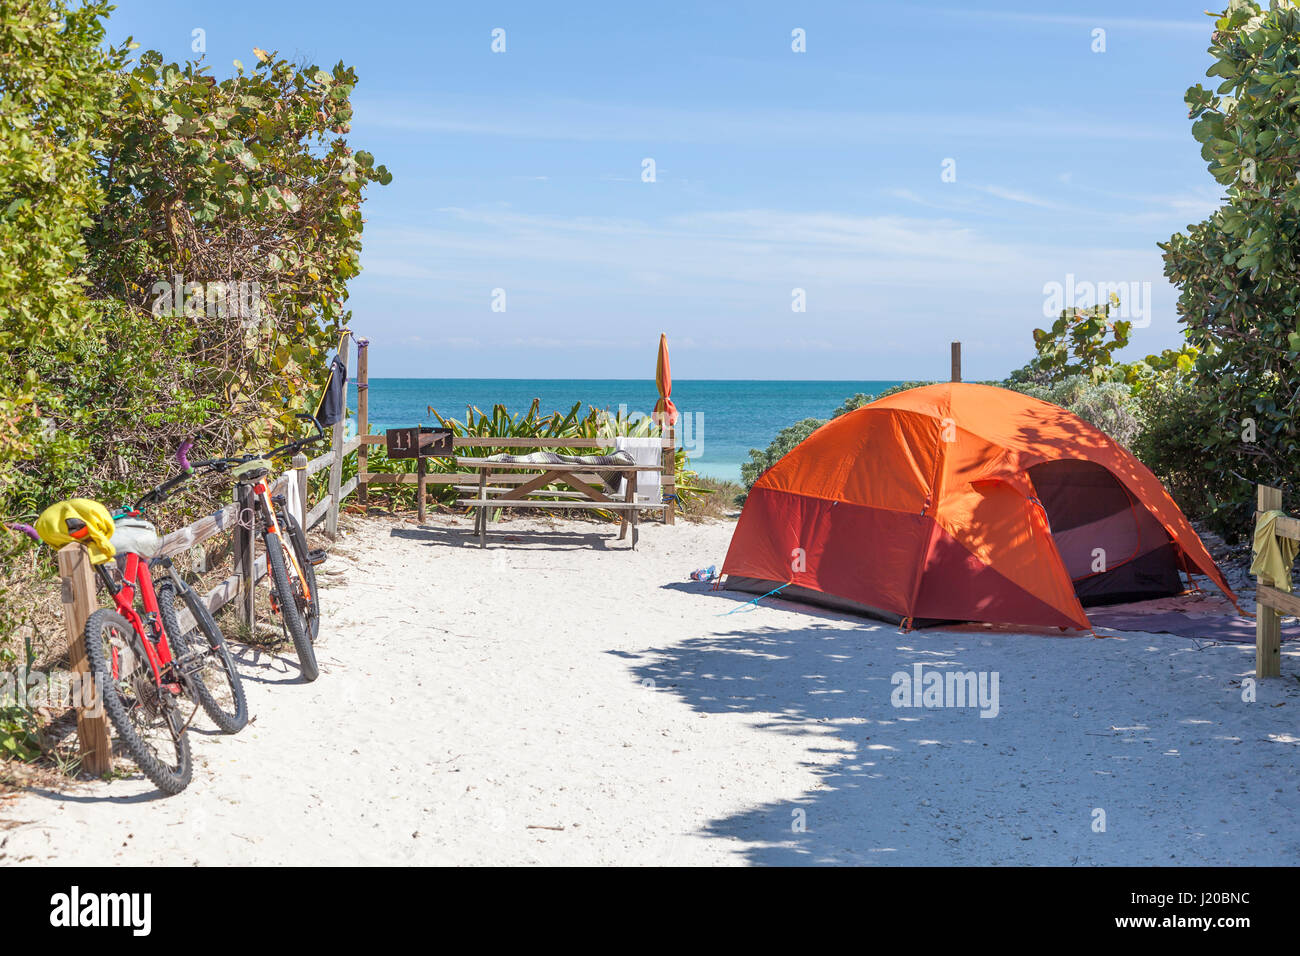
334, 401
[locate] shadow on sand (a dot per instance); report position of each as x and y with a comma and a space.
526, 540
1082, 724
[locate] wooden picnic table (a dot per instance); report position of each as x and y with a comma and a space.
587, 491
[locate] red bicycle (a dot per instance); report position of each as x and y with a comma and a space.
141, 659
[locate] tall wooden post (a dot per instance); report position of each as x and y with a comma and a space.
300, 478
668, 477
336, 466
245, 565
420, 470
363, 419
956, 361
1268, 624
78, 604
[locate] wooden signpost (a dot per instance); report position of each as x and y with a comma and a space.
420, 442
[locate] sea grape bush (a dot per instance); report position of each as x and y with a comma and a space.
121, 177
55, 88
1084, 342
1238, 272
245, 181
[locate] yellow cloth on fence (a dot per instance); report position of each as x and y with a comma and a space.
1273, 555
52, 526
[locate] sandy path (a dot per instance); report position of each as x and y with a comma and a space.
471, 701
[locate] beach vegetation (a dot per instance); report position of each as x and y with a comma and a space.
593, 423
1238, 271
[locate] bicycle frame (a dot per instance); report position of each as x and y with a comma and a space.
261, 492
136, 576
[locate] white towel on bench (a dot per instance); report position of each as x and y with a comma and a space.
644, 451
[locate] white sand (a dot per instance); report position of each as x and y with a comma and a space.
470, 699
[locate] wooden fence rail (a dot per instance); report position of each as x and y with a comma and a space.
1269, 600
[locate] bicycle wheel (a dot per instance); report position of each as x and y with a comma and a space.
146, 717
204, 659
288, 599
311, 611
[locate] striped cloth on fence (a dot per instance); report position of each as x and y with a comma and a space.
610, 479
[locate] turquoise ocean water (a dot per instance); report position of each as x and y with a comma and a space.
725, 419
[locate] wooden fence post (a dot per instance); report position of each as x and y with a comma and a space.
668, 478
300, 477
420, 470
78, 604
1268, 625
336, 466
245, 541
956, 361
363, 419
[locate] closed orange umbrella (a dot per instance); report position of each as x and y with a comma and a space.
665, 410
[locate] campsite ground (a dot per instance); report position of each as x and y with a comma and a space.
557, 699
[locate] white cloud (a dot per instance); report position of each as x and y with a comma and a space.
1015, 195
589, 121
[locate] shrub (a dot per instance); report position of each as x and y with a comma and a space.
1109, 406
123, 329
1238, 272
55, 89
1175, 419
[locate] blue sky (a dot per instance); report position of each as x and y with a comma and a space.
775, 171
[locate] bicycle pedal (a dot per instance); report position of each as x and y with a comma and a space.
173, 688
317, 556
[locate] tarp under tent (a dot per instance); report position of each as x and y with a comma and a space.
962, 502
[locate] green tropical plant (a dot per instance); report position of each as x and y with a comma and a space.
56, 85
1238, 271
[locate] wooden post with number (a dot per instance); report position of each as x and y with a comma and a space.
956, 361
78, 604
1268, 623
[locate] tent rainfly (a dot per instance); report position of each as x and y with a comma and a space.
962, 502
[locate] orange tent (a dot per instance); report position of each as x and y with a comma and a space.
962, 502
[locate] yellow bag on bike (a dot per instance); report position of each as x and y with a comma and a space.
97, 535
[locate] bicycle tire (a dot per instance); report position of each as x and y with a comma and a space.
124, 709
299, 541
227, 706
287, 600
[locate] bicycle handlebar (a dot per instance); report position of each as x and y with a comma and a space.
160, 492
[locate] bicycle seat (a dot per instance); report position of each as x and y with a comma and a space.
256, 468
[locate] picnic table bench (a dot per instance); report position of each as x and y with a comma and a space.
587, 490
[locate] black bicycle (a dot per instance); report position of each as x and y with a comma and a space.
294, 596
